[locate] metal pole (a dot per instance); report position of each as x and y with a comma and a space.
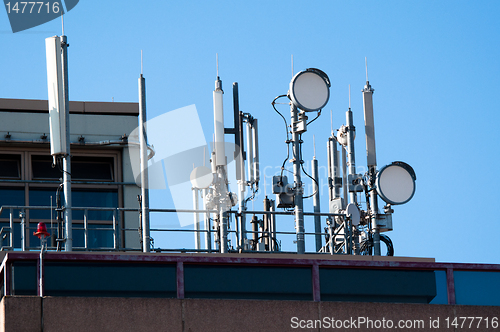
86, 229
274, 244
267, 224
351, 162
67, 158
250, 153
331, 179
208, 234
143, 140
299, 210
240, 166
223, 230
22, 216
11, 225
197, 239
316, 204
371, 157
255, 143
40, 267
335, 167
115, 231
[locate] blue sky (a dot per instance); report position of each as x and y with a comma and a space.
434, 66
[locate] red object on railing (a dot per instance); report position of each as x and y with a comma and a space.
41, 229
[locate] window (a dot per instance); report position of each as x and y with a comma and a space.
37, 185
10, 166
82, 168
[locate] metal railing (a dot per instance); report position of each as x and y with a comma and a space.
260, 239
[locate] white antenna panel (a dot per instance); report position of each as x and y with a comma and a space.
57, 107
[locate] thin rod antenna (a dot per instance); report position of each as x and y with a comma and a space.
314, 146
292, 65
141, 64
62, 23
217, 61
265, 189
349, 96
366, 69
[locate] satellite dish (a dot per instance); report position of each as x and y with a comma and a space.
201, 177
352, 211
310, 89
396, 183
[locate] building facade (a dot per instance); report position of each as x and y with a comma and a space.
101, 173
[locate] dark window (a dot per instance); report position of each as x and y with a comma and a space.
11, 196
43, 197
82, 168
92, 168
43, 170
107, 198
94, 198
99, 236
10, 166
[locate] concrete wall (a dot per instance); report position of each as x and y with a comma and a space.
137, 314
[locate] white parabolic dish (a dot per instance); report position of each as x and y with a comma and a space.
396, 184
201, 177
309, 91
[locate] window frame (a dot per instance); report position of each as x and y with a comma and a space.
27, 182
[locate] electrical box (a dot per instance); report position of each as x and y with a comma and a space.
336, 205
280, 184
285, 200
300, 126
354, 182
384, 222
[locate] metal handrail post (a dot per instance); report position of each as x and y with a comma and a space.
86, 229
115, 231
11, 223
22, 216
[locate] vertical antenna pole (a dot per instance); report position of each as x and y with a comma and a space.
208, 234
256, 162
197, 240
299, 204
352, 171
67, 158
316, 202
146, 243
371, 157
240, 166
